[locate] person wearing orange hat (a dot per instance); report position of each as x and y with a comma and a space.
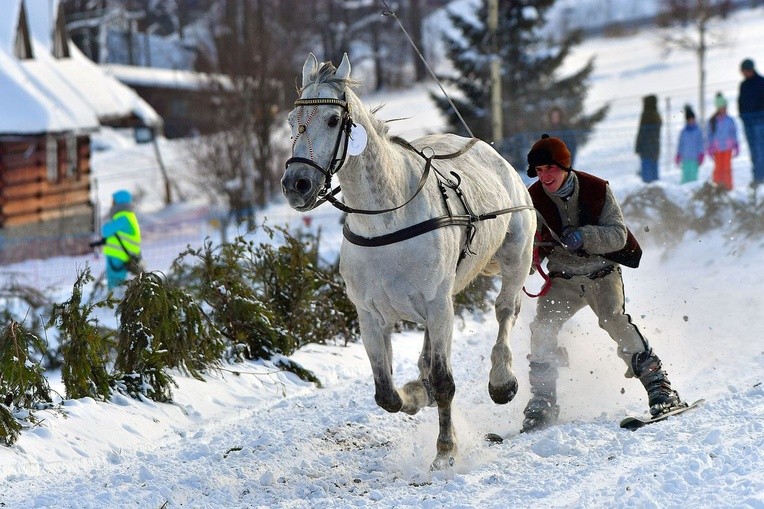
585, 240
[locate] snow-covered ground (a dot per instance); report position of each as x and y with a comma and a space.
262, 438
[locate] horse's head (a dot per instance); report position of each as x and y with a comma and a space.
320, 125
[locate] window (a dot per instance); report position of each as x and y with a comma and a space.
51, 158
71, 156
60, 36
22, 44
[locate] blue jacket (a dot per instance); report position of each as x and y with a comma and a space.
722, 134
691, 145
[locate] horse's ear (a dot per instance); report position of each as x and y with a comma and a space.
310, 67
343, 71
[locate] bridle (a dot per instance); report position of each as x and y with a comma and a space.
335, 163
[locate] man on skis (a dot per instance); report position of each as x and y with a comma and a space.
585, 239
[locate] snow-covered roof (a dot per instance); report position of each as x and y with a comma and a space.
108, 97
8, 23
34, 98
165, 78
28, 109
48, 94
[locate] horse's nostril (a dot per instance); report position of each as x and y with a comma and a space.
302, 185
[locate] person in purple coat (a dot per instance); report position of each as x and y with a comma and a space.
722, 143
689, 153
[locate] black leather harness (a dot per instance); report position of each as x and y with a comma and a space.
467, 219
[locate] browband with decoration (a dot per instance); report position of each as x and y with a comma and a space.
318, 102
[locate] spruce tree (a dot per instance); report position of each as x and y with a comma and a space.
531, 79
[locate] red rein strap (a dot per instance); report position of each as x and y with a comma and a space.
537, 265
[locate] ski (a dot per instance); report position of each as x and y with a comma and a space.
633, 423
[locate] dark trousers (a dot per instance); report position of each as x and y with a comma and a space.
649, 170
754, 133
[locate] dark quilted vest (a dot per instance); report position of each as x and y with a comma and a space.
591, 200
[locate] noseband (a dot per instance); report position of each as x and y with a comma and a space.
346, 124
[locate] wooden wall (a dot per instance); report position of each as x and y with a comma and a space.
38, 206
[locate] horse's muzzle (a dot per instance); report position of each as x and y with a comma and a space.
301, 186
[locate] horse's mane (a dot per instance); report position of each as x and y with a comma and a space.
326, 75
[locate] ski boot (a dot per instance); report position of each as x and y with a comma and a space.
661, 397
542, 410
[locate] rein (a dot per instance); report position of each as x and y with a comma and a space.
469, 219
327, 193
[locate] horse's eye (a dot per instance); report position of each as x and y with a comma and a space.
333, 121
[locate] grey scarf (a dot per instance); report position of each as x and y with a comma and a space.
566, 189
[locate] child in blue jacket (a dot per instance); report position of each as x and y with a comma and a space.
689, 153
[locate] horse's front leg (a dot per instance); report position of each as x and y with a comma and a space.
440, 320
379, 349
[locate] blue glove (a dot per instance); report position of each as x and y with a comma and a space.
572, 239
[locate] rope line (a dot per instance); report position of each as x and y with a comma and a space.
389, 12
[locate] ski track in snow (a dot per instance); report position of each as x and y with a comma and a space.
275, 441
333, 447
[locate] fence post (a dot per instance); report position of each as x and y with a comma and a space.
669, 149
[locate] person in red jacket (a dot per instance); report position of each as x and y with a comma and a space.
585, 241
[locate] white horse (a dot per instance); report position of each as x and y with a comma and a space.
421, 226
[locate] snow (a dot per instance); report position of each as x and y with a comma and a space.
259, 437
47, 94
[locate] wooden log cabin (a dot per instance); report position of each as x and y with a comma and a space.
52, 100
45, 205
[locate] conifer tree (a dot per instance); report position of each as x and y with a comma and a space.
532, 82
84, 344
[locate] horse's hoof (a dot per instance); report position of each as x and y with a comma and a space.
505, 393
442, 463
493, 438
391, 402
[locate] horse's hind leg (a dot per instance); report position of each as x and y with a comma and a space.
515, 266
419, 393
502, 382
440, 320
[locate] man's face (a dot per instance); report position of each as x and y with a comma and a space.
551, 176
746, 73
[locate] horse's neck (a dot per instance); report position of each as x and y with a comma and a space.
383, 176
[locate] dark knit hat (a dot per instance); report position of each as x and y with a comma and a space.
746, 65
548, 151
688, 113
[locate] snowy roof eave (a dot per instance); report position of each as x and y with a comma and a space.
32, 101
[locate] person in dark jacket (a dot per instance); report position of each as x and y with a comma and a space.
558, 127
750, 105
648, 144
583, 223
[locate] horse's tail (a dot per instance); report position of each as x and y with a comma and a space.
492, 268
